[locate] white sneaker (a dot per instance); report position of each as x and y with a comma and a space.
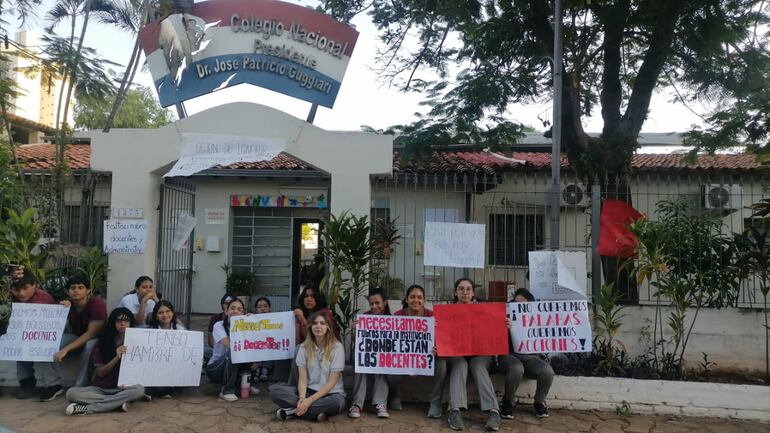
228, 397
254, 390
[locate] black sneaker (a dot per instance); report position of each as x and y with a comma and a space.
493, 421
76, 409
51, 392
506, 410
284, 414
455, 420
541, 410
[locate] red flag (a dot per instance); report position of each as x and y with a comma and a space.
614, 237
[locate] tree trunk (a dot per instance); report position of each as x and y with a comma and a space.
125, 83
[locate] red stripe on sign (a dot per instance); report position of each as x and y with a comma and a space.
149, 37
222, 10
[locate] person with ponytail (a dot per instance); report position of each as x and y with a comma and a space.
220, 368
320, 361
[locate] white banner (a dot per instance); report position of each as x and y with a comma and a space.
157, 357
201, 151
557, 275
454, 244
395, 345
550, 326
34, 332
124, 236
262, 337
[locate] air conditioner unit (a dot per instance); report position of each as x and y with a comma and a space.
715, 196
574, 195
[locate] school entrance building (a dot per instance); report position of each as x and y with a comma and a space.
261, 217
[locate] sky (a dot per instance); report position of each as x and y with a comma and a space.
364, 98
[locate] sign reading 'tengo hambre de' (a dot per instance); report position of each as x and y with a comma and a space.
283, 47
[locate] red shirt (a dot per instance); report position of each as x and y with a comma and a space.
214, 319
40, 297
110, 381
425, 312
94, 310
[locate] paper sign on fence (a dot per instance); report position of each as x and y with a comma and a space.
159, 357
394, 345
557, 275
454, 244
471, 329
262, 337
34, 332
550, 326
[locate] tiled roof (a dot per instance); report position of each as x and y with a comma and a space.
283, 161
42, 156
456, 162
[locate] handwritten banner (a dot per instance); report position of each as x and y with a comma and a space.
395, 345
550, 326
454, 244
557, 275
124, 236
471, 329
34, 332
157, 357
200, 151
262, 337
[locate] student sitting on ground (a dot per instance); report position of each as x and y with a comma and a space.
378, 305
85, 322
220, 368
465, 293
26, 290
141, 300
207, 351
516, 366
104, 394
320, 361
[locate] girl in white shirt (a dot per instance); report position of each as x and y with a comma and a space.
320, 361
220, 368
141, 301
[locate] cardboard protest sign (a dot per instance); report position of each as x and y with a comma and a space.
471, 329
550, 326
557, 275
454, 244
159, 357
394, 345
262, 337
34, 332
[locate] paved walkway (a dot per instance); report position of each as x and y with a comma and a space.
200, 411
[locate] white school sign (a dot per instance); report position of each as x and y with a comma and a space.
34, 332
157, 357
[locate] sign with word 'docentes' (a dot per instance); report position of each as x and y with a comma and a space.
124, 236
287, 48
550, 326
159, 357
394, 345
262, 337
34, 332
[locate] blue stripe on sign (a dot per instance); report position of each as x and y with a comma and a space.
272, 73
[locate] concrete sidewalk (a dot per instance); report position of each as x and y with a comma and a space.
200, 411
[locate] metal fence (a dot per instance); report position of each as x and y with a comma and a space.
514, 208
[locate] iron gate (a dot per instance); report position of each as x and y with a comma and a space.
174, 268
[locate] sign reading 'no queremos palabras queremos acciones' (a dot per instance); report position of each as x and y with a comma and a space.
283, 47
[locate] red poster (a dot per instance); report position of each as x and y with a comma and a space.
471, 329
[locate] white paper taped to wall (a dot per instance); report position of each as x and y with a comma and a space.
557, 275
201, 151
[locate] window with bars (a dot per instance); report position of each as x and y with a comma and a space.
512, 236
87, 230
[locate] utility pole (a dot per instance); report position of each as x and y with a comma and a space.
556, 128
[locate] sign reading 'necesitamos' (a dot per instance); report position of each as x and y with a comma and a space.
284, 47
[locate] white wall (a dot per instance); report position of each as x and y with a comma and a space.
138, 159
